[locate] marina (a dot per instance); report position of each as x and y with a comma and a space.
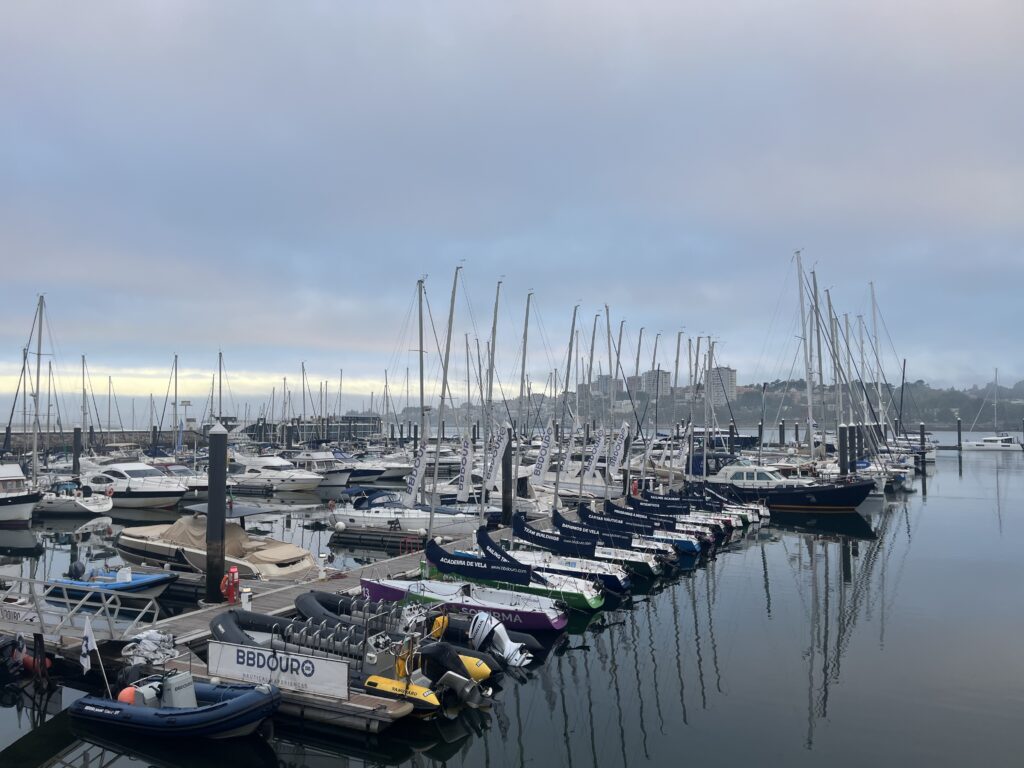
813, 614
569, 385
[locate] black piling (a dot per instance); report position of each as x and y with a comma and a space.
442, 432
506, 481
760, 433
959, 434
844, 458
216, 511
796, 432
782, 432
76, 453
732, 436
92, 435
152, 437
415, 437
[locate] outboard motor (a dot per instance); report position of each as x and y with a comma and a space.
441, 665
487, 633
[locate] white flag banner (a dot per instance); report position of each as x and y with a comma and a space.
547, 438
88, 646
598, 450
465, 467
647, 450
499, 451
618, 449
413, 479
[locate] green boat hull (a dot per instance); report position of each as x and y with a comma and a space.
575, 600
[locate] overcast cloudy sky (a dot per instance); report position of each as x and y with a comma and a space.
272, 178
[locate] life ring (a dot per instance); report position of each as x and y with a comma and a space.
109, 491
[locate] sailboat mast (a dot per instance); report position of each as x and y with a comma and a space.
175, 408
35, 426
423, 405
878, 360
995, 404
85, 407
590, 371
220, 385
522, 384
639, 344
565, 397
805, 332
444, 386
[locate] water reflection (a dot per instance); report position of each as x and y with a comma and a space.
787, 635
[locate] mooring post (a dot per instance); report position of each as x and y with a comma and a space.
959, 434
922, 438
76, 453
851, 449
796, 432
152, 437
415, 438
782, 433
732, 436
216, 511
760, 434
506, 481
844, 458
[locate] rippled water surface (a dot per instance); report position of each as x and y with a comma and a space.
895, 641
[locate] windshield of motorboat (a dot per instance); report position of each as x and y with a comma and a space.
144, 472
179, 470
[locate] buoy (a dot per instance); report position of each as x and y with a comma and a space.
127, 695
339, 526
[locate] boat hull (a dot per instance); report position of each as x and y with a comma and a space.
823, 499
226, 711
513, 617
16, 511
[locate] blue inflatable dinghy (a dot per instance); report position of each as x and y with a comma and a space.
173, 706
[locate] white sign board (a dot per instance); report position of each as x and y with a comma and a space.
288, 671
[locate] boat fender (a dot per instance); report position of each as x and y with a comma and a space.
127, 695
109, 491
440, 626
339, 526
78, 494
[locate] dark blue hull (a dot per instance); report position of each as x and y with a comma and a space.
223, 711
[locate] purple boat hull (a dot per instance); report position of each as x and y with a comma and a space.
520, 619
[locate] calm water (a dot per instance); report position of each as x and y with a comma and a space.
899, 645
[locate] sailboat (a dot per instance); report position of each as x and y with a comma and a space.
18, 497
1000, 441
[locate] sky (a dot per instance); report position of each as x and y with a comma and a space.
271, 179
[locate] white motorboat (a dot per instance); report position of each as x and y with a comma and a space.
385, 509
334, 473
1000, 442
181, 546
134, 485
66, 498
255, 472
197, 483
17, 500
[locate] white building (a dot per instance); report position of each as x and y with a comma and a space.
721, 385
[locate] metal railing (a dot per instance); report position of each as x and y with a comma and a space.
55, 610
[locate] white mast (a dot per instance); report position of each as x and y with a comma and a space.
522, 385
805, 332
444, 385
878, 359
565, 399
35, 398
